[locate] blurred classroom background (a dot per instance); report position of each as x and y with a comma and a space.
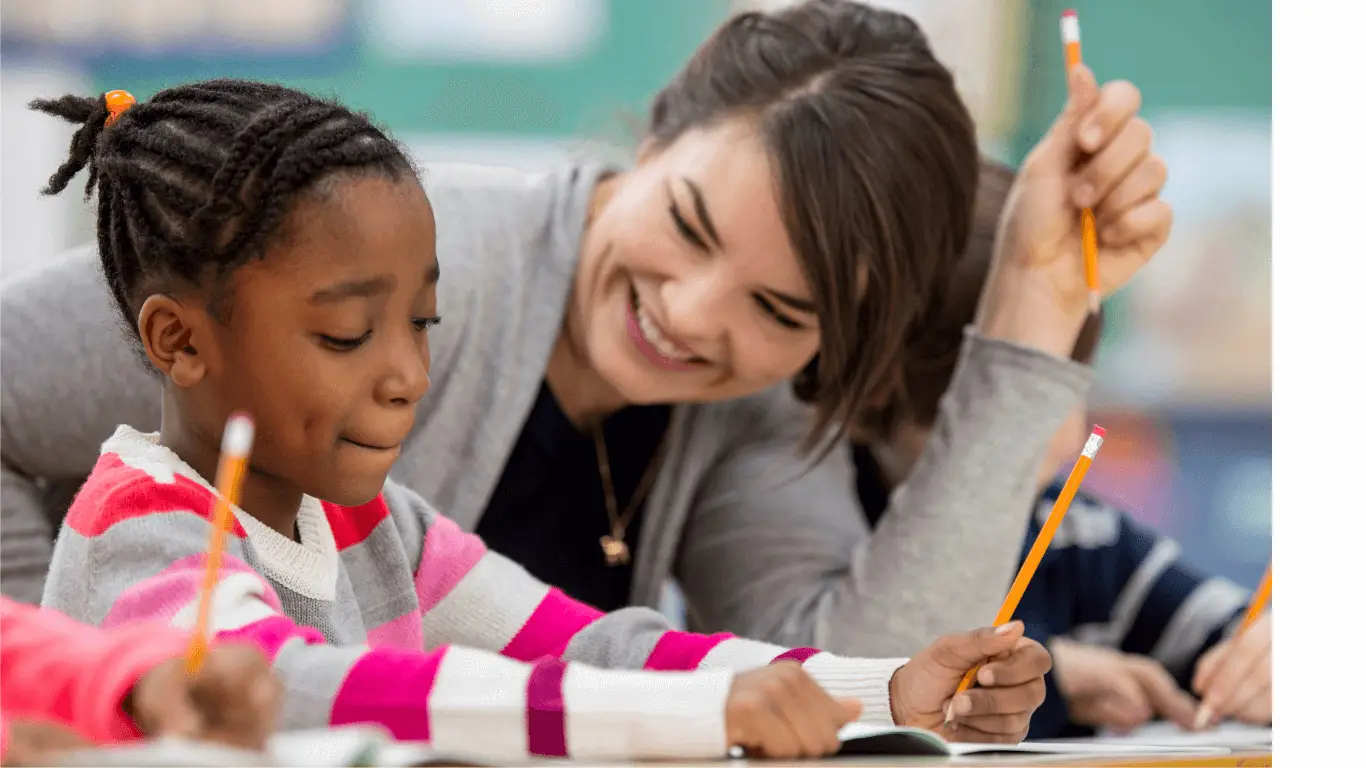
1185, 368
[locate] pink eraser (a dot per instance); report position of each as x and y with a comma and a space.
1069, 12
1098, 430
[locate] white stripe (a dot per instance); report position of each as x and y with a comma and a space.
477, 704
1086, 526
487, 608
619, 715
868, 680
1131, 597
1204, 610
740, 654
238, 600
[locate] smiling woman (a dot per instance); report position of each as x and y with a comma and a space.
625, 380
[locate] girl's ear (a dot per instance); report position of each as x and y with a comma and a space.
170, 331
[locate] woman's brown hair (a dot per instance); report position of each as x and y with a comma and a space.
930, 353
876, 166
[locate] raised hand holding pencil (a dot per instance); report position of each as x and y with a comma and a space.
1071, 41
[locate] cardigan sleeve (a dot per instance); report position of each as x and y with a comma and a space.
777, 548
472, 596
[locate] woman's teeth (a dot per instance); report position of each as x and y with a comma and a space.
656, 338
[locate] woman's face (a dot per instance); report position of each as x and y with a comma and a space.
688, 289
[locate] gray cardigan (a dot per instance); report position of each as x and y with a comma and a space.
763, 542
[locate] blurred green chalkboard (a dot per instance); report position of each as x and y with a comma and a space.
644, 43
1185, 55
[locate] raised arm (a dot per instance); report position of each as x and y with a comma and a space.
778, 549
69, 381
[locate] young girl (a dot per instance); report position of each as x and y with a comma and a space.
1131, 626
274, 253
68, 685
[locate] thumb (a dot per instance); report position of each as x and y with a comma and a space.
1058, 151
965, 651
850, 709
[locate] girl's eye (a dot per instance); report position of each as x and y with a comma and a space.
777, 315
343, 345
424, 324
684, 228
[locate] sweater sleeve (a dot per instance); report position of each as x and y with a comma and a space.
776, 546
470, 595
58, 669
1133, 591
67, 385
145, 564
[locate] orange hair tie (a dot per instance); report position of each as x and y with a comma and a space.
117, 102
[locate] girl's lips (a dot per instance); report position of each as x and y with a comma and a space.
643, 345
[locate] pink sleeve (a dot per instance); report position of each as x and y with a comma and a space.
77, 675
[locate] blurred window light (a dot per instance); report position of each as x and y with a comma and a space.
534, 31
152, 27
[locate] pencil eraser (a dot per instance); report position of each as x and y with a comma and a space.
1098, 430
238, 434
1070, 12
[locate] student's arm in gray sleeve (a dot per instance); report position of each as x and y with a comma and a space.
791, 561
69, 378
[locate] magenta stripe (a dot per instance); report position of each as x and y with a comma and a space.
270, 634
405, 633
162, 596
545, 723
799, 655
448, 554
550, 628
682, 650
389, 687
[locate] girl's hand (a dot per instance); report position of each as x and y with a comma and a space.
234, 699
1009, 685
779, 711
1097, 154
1117, 691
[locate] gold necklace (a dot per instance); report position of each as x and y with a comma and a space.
614, 548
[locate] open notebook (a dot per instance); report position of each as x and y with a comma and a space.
862, 739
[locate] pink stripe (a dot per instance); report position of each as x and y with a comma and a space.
550, 628
389, 687
678, 651
162, 596
545, 725
404, 633
448, 554
270, 634
799, 655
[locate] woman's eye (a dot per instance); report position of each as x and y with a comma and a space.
343, 345
424, 324
684, 228
777, 315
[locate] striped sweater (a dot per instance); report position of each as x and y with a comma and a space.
388, 613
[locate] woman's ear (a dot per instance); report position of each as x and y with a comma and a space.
170, 330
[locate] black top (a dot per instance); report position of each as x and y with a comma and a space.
548, 512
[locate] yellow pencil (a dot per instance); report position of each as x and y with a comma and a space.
1050, 527
1071, 44
232, 469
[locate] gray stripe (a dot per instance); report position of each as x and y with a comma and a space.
312, 675
622, 639
1206, 609
1131, 598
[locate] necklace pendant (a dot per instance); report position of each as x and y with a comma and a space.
615, 550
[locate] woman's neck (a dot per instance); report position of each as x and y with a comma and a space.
272, 501
583, 395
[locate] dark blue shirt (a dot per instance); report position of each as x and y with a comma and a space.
1104, 580
548, 512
